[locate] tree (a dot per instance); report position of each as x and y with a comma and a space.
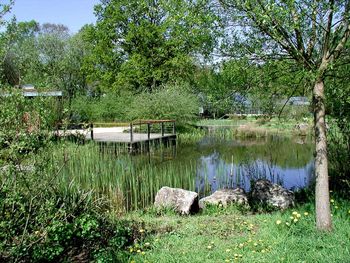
143, 44
313, 34
4, 9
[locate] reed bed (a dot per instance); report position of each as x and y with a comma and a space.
128, 182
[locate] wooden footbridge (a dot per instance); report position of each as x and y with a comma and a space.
138, 135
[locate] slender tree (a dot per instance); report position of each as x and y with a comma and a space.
311, 32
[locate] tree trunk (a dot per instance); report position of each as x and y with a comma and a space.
323, 214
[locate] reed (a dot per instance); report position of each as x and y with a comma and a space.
129, 182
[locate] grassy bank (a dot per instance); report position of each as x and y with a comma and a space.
227, 235
253, 126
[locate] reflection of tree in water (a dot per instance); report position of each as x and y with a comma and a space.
234, 164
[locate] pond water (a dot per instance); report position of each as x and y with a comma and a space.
235, 162
210, 163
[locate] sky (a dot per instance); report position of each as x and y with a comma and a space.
72, 13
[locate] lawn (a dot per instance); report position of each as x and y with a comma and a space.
228, 235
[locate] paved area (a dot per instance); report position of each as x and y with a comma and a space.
115, 134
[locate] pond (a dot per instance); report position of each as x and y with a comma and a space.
205, 165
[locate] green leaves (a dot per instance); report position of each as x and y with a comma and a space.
150, 42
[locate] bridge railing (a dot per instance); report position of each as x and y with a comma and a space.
162, 127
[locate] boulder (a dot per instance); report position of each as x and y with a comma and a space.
267, 193
302, 128
225, 197
182, 201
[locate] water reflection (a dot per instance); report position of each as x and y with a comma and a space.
235, 162
215, 173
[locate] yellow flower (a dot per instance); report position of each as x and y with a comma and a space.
131, 250
349, 211
291, 217
298, 215
295, 220
336, 207
332, 200
209, 247
306, 213
278, 222
241, 245
263, 251
147, 244
294, 213
227, 260
138, 251
141, 230
228, 250
287, 224
143, 253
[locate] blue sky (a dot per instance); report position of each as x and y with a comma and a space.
72, 13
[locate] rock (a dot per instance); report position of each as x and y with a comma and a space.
267, 193
225, 197
302, 128
182, 201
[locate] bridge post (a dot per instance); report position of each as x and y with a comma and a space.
162, 128
92, 131
131, 132
174, 129
148, 131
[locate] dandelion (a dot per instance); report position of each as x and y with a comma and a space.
278, 222
227, 260
241, 245
332, 200
295, 213
143, 253
306, 213
228, 250
147, 244
295, 220
131, 250
141, 230
263, 251
287, 224
349, 211
298, 215
291, 217
336, 207
138, 251
209, 247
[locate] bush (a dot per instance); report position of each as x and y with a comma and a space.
170, 102
51, 226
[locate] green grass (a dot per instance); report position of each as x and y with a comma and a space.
126, 181
226, 235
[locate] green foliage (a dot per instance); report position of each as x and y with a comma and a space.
24, 125
141, 45
171, 102
48, 225
40, 220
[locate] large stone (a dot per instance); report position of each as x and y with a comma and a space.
182, 201
302, 128
267, 193
225, 197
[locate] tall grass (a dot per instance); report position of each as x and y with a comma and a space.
129, 182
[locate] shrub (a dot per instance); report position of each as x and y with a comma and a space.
170, 102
